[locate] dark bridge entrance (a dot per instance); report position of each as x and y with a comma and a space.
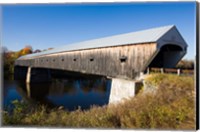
167, 56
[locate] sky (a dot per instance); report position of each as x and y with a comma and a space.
46, 26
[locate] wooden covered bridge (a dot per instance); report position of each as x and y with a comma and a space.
123, 56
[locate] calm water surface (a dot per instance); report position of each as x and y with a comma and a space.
69, 93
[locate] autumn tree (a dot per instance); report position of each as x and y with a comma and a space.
9, 58
26, 50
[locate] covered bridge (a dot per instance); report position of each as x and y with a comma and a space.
120, 56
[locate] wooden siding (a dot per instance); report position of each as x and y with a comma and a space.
101, 61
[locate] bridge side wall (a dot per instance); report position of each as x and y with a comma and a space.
120, 61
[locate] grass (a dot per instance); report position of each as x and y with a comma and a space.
172, 106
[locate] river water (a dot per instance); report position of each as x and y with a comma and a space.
68, 93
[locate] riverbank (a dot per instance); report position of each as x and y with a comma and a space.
172, 107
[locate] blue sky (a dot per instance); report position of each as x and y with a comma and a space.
52, 25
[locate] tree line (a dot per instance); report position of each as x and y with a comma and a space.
186, 64
9, 58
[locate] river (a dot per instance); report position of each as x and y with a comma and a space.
66, 92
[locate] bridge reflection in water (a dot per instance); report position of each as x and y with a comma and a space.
69, 93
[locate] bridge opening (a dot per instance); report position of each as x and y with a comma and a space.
168, 56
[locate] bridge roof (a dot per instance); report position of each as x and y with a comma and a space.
144, 36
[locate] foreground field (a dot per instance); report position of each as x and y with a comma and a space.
172, 106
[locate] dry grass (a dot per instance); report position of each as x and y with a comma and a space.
171, 107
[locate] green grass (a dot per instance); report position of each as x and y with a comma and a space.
171, 107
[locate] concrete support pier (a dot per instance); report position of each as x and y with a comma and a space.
123, 89
28, 75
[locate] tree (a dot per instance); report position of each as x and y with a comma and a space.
26, 50
37, 51
10, 57
29, 47
185, 64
